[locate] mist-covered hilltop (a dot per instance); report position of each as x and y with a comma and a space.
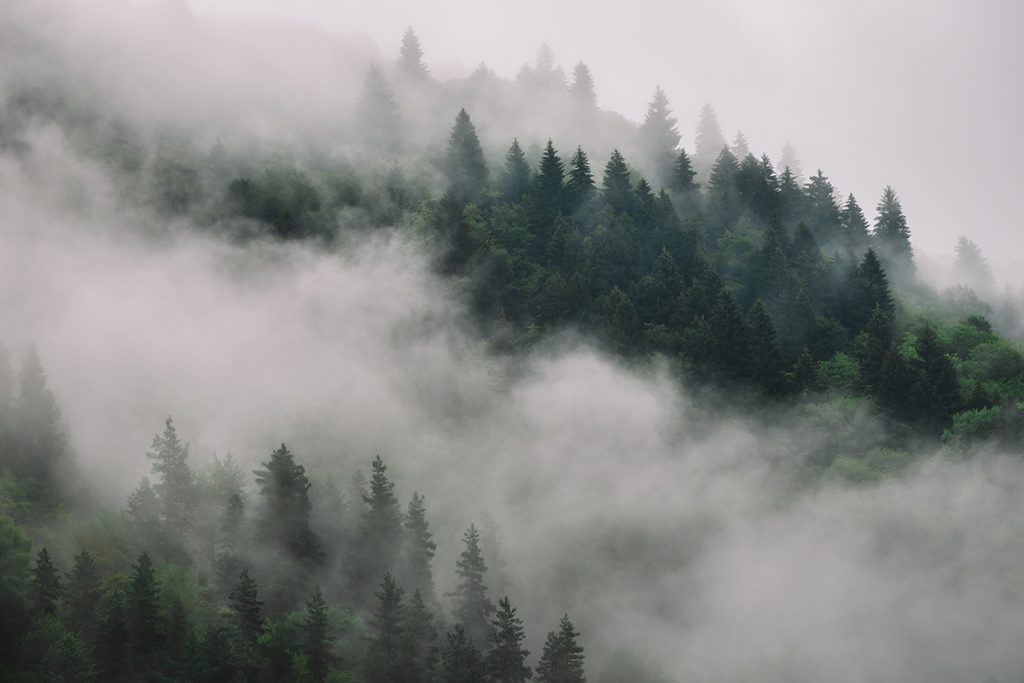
561, 395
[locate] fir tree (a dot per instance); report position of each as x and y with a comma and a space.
562, 660
804, 371
821, 212
971, 267
419, 649
473, 609
788, 160
506, 662
112, 639
731, 337
740, 148
893, 237
660, 137
464, 163
869, 289
515, 179
723, 195
419, 549
938, 389
377, 118
617, 188
83, 596
387, 628
317, 638
40, 441
145, 635
46, 588
765, 356
582, 89
854, 226
580, 184
285, 490
547, 196
461, 661
381, 528
410, 57
248, 623
875, 344
176, 489
683, 174
710, 140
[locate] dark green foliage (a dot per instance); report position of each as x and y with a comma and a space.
83, 596
247, 623
39, 445
562, 660
380, 530
15, 572
176, 489
723, 199
472, 609
46, 588
730, 338
821, 214
579, 186
869, 289
617, 188
683, 174
766, 361
419, 648
112, 639
515, 178
461, 661
387, 629
464, 163
506, 661
892, 235
145, 628
854, 226
283, 198
317, 638
874, 347
419, 549
285, 516
936, 394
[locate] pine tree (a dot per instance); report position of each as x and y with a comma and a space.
461, 661
546, 197
145, 636
660, 137
464, 164
875, 344
723, 195
893, 238
515, 179
854, 226
940, 391
683, 174
419, 549
83, 596
582, 89
473, 609
731, 337
176, 489
419, 648
821, 211
248, 623
317, 638
562, 660
740, 149
381, 527
46, 588
791, 195
40, 441
766, 361
506, 662
410, 57
378, 121
710, 140
869, 289
285, 490
617, 188
580, 184
387, 628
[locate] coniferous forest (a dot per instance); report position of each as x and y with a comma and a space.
465, 380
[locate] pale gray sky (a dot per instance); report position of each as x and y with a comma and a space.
925, 96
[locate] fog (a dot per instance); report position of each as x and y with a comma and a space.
664, 524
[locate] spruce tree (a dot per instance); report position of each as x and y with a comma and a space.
660, 137
419, 648
387, 629
709, 141
381, 527
176, 489
939, 390
788, 160
562, 660
285, 520
112, 638
547, 196
821, 214
40, 443
83, 596
971, 267
892, 235
869, 289
854, 226
461, 661
145, 635
582, 89
506, 662
464, 163
46, 588
419, 549
580, 183
410, 57
723, 195
317, 638
515, 178
473, 609
731, 337
683, 174
874, 346
766, 361
617, 188
740, 148
378, 121
248, 623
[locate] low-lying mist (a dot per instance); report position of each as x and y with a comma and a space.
660, 525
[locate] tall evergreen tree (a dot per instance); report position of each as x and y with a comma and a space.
248, 623
83, 596
854, 226
378, 122
285, 490
515, 178
176, 488
112, 639
869, 289
145, 634
723, 195
506, 662
562, 660
387, 629
892, 235
580, 183
410, 57
419, 649
582, 89
660, 137
46, 588
740, 149
874, 346
731, 337
937, 392
419, 549
473, 609
40, 441
683, 174
766, 361
971, 267
790, 161
317, 638
381, 528
461, 661
821, 214
710, 140
617, 188
546, 197
464, 163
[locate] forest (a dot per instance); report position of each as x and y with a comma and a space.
535, 249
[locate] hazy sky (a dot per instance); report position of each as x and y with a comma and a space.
927, 97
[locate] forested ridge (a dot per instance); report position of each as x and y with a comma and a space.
751, 283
